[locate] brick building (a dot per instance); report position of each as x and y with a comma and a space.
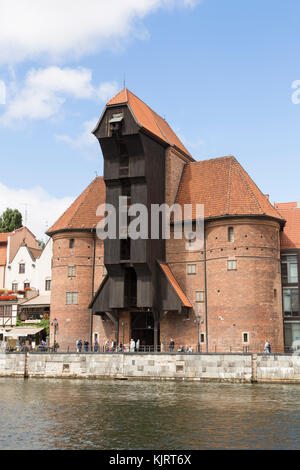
290, 266
225, 296
77, 267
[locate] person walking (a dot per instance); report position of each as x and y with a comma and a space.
96, 346
137, 345
79, 346
86, 346
267, 347
172, 345
106, 346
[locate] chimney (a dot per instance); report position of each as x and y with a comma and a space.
298, 204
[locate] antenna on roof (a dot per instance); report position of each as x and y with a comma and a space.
96, 174
25, 216
124, 81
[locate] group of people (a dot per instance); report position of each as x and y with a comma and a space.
85, 344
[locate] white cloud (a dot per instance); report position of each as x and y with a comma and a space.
42, 208
2, 92
85, 138
45, 91
61, 29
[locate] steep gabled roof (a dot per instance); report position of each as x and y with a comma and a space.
82, 213
290, 237
225, 189
35, 252
148, 119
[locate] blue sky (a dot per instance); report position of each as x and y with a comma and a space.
220, 71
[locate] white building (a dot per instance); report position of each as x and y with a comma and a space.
30, 268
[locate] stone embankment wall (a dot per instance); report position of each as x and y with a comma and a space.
12, 365
205, 367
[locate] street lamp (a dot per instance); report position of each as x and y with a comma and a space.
198, 321
123, 336
55, 324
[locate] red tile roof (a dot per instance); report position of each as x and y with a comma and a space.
4, 237
3, 247
148, 119
82, 213
225, 189
36, 252
170, 276
290, 237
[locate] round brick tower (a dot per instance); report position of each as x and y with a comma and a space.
77, 268
234, 281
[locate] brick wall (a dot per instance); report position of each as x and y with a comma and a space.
247, 300
74, 320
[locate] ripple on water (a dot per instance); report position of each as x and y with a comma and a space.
86, 414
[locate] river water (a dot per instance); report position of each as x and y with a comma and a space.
112, 414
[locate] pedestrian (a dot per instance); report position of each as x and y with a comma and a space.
172, 345
132, 345
86, 346
106, 346
137, 345
79, 346
267, 347
96, 346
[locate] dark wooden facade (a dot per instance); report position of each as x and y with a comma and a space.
134, 166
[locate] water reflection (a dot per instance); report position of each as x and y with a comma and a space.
85, 414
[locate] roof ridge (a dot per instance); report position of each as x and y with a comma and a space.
242, 174
225, 157
273, 207
86, 191
229, 187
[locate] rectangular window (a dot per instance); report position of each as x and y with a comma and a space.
202, 337
231, 234
200, 296
14, 287
71, 243
291, 302
6, 311
71, 271
231, 265
289, 265
72, 298
245, 338
48, 284
191, 269
21, 268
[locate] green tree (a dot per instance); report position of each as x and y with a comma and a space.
10, 220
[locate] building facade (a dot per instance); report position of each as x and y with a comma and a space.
290, 266
77, 268
225, 296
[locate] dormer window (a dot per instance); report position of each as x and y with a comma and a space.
115, 123
71, 243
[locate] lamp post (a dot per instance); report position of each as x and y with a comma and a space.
198, 321
123, 335
55, 324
